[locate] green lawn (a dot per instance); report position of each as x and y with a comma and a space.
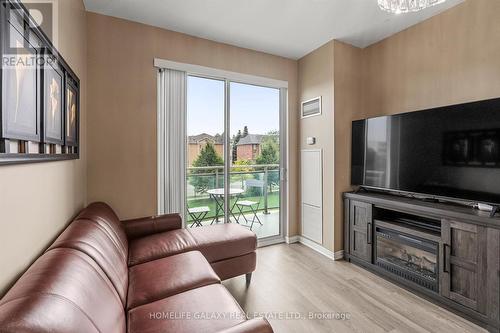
273, 200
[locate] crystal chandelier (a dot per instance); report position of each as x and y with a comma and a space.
406, 6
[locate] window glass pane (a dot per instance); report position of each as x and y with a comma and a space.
205, 151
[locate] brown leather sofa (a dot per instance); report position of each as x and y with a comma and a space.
142, 275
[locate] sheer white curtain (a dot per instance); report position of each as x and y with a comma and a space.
172, 110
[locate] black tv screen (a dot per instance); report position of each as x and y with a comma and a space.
450, 152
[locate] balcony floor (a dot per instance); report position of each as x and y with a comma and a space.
270, 223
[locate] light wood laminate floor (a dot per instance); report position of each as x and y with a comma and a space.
296, 280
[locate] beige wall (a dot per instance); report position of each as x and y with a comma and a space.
451, 58
348, 106
316, 73
122, 105
38, 200
333, 71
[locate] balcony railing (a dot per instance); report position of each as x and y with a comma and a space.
202, 179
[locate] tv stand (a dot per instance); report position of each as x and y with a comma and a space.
445, 252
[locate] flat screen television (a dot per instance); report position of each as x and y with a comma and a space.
448, 152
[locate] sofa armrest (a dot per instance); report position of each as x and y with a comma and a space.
256, 325
146, 226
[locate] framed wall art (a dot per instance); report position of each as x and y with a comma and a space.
72, 108
53, 102
20, 80
40, 93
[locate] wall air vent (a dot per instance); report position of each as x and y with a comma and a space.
311, 107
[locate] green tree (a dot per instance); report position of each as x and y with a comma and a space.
208, 157
245, 131
269, 151
274, 134
236, 139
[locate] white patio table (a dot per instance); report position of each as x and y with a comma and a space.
218, 195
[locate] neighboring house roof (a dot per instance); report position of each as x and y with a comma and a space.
251, 139
215, 139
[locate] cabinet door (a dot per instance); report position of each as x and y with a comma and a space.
464, 264
347, 228
360, 225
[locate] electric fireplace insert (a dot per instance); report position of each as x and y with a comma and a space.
407, 256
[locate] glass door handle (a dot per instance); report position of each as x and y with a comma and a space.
283, 174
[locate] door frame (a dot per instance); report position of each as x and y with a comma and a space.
282, 86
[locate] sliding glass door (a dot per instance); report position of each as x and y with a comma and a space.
234, 155
255, 143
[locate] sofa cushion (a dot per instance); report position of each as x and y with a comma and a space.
207, 309
94, 240
63, 291
145, 226
160, 245
216, 243
105, 216
165, 277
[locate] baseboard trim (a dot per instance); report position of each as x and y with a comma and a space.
316, 247
292, 239
270, 241
339, 255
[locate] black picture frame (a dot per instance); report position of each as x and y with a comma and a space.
53, 90
48, 141
20, 80
72, 111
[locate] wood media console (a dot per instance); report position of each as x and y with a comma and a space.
447, 253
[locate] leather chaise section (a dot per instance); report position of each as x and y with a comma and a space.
229, 268
165, 277
223, 241
216, 243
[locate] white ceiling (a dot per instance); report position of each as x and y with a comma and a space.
289, 28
